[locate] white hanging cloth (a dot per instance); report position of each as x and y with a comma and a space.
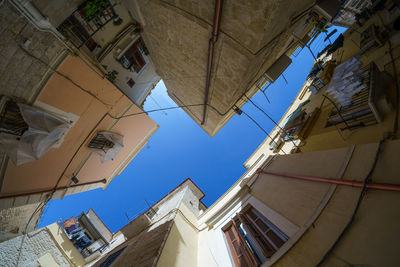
44, 131
107, 154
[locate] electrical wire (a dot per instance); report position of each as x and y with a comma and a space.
338, 110
50, 195
338, 130
39, 207
262, 129
63, 75
366, 180
265, 113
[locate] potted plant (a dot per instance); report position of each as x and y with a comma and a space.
93, 9
112, 76
138, 28
117, 21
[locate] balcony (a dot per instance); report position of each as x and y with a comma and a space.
86, 21
88, 235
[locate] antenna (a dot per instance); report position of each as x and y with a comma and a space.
150, 207
147, 202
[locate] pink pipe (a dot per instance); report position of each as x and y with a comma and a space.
378, 186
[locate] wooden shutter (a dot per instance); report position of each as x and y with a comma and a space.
240, 252
270, 234
134, 56
267, 249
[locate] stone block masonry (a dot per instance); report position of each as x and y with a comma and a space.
20, 74
13, 220
35, 245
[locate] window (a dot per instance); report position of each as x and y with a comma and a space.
150, 213
131, 83
82, 25
100, 142
106, 145
133, 58
77, 33
11, 120
252, 238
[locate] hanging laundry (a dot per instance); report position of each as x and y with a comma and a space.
70, 222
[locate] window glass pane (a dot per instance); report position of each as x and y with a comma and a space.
262, 225
243, 262
251, 214
275, 238
237, 247
231, 235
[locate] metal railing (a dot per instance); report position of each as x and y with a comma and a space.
80, 27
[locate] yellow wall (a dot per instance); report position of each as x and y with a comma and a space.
180, 249
65, 245
322, 138
372, 238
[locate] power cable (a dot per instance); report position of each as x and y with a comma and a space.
40, 206
50, 195
338, 110
63, 75
263, 111
261, 128
157, 104
360, 198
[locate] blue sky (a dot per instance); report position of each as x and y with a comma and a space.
181, 149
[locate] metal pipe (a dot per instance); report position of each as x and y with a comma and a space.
213, 40
369, 185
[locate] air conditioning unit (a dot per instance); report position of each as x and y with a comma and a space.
278, 68
328, 8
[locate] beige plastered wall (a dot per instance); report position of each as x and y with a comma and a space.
322, 210
65, 245
90, 98
180, 249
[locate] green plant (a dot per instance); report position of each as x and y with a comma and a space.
93, 9
112, 76
117, 21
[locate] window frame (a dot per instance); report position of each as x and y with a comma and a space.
259, 237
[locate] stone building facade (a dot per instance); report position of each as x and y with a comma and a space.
252, 36
37, 66
34, 246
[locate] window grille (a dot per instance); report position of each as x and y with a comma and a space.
11, 120
100, 142
79, 27
361, 110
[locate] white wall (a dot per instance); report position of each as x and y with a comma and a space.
212, 247
144, 79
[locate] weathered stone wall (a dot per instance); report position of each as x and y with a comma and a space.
34, 246
56, 11
142, 250
253, 35
22, 77
20, 74
14, 220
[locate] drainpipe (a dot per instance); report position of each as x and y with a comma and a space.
368, 185
32, 14
213, 40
